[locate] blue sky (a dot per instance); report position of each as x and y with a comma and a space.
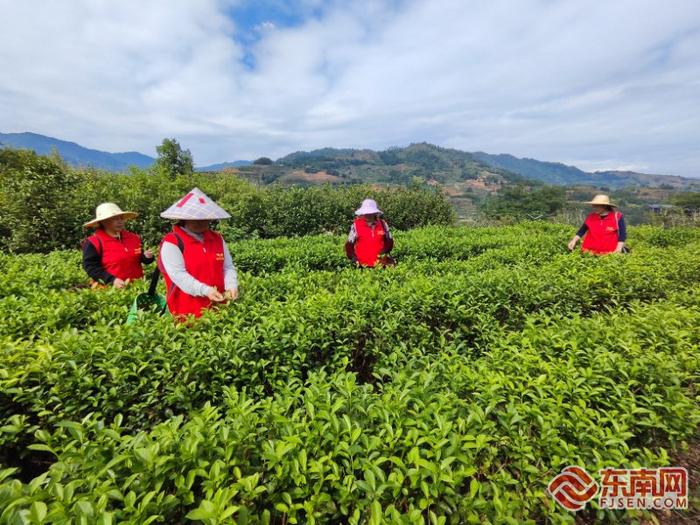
252, 19
601, 85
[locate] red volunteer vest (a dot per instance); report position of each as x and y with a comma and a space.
370, 241
120, 257
204, 261
601, 236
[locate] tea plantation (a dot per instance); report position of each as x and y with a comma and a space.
449, 389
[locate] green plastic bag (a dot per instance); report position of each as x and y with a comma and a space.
148, 302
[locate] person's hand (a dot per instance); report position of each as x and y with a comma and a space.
119, 284
572, 245
231, 295
148, 254
215, 296
387, 260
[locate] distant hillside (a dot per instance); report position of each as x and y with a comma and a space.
397, 165
563, 175
224, 165
632, 178
460, 172
74, 154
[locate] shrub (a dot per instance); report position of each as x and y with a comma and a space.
45, 203
37, 205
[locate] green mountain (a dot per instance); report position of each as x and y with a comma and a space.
468, 179
556, 173
548, 172
474, 171
75, 154
394, 165
224, 165
460, 170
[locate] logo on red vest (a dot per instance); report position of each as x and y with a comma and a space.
573, 488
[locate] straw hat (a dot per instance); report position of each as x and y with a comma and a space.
107, 210
195, 206
601, 200
368, 207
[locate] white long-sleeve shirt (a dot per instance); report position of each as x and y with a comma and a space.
174, 264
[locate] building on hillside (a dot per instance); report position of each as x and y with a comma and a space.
661, 208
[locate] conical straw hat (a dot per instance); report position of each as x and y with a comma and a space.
195, 206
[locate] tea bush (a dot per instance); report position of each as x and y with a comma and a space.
449, 389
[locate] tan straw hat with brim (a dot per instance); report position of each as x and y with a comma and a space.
601, 200
107, 210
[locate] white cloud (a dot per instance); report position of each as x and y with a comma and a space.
266, 26
607, 83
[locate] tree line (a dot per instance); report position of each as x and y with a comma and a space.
44, 202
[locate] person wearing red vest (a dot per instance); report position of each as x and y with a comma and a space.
194, 260
112, 255
369, 237
603, 231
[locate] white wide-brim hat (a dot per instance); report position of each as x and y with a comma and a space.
107, 210
195, 206
368, 207
601, 200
